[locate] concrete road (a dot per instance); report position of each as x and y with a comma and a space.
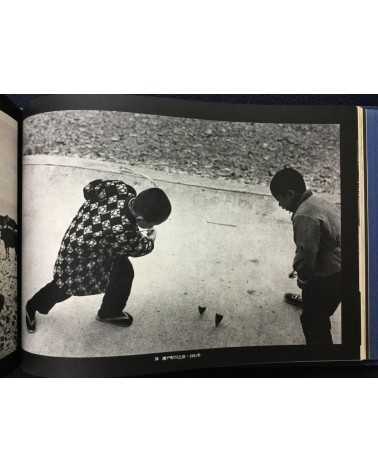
226, 250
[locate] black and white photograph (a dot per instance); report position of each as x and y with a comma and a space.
150, 234
8, 235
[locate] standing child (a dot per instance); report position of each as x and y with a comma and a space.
94, 253
317, 261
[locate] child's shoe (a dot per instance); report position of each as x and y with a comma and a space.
31, 322
124, 319
294, 299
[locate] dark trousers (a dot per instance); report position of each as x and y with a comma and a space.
115, 298
321, 297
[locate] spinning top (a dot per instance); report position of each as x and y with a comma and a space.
218, 319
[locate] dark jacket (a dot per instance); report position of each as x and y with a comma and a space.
317, 236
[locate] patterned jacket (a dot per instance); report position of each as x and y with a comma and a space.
102, 230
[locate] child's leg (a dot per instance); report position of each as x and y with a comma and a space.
316, 331
321, 298
119, 288
44, 300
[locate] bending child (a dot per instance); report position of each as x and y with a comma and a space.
95, 250
317, 261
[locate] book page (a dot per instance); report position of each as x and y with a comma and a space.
8, 235
362, 162
221, 264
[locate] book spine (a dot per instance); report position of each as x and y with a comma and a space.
371, 126
362, 234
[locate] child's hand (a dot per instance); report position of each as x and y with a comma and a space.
151, 234
301, 283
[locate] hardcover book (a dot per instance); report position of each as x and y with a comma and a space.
143, 235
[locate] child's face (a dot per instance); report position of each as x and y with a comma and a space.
142, 223
287, 200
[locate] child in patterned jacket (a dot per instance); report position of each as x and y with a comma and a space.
95, 250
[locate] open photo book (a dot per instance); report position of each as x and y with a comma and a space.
142, 234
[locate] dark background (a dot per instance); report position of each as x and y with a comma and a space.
298, 370
263, 99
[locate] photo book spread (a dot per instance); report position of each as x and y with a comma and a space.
143, 235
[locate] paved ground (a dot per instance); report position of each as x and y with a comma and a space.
229, 251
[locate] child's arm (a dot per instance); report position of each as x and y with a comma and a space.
140, 246
132, 243
307, 240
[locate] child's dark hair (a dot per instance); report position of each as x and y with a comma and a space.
153, 204
285, 180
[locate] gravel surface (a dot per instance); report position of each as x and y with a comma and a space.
246, 152
8, 315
